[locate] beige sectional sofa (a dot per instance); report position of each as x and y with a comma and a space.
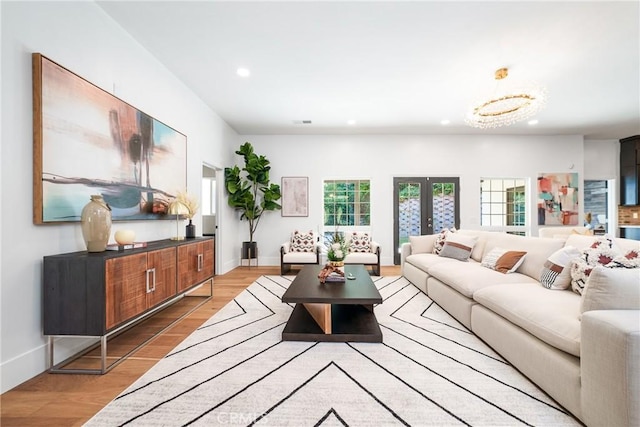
585, 357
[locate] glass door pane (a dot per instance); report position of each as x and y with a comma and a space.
423, 205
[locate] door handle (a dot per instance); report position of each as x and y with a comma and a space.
151, 288
200, 261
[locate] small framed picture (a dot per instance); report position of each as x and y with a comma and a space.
295, 196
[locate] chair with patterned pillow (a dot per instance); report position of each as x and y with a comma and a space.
363, 250
301, 249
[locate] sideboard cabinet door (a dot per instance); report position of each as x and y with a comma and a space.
195, 264
136, 283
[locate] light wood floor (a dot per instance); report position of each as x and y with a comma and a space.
71, 399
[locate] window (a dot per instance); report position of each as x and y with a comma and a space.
208, 196
347, 203
503, 204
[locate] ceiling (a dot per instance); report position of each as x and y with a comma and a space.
397, 67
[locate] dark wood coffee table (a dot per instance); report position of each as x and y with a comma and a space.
336, 312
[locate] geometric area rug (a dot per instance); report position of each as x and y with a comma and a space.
428, 371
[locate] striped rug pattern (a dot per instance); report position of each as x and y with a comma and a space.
236, 370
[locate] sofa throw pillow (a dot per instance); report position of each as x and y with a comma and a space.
359, 242
611, 289
510, 261
458, 246
631, 259
422, 244
303, 242
502, 260
556, 272
600, 253
440, 239
490, 259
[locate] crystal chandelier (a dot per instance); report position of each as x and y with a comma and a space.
507, 105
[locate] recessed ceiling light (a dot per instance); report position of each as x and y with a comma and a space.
243, 72
351, 122
533, 122
445, 122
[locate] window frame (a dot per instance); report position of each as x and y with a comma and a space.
503, 207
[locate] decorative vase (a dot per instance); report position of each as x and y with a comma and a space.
96, 224
338, 265
190, 231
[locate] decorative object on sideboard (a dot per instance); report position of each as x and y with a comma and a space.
178, 209
192, 205
96, 224
124, 237
507, 104
250, 191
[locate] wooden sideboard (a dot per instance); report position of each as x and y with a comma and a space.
101, 294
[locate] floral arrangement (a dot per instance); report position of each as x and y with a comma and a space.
187, 204
337, 247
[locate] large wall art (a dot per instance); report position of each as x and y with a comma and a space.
87, 141
295, 196
558, 199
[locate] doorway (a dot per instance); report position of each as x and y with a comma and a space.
209, 205
423, 205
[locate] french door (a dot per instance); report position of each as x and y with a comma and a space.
423, 205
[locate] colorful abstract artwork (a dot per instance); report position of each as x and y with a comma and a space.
87, 141
558, 199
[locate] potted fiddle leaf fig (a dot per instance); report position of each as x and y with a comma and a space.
251, 193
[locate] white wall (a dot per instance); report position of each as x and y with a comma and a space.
82, 38
380, 158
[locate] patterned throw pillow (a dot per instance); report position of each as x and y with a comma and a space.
600, 253
458, 246
629, 260
556, 273
303, 242
503, 260
359, 242
442, 236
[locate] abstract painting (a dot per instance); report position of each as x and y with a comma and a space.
295, 196
558, 199
87, 141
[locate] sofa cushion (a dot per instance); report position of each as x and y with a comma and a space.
538, 250
556, 273
299, 257
467, 278
422, 244
458, 247
483, 236
440, 239
303, 242
553, 317
502, 260
359, 242
612, 289
361, 258
425, 261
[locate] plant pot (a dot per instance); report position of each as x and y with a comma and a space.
249, 250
